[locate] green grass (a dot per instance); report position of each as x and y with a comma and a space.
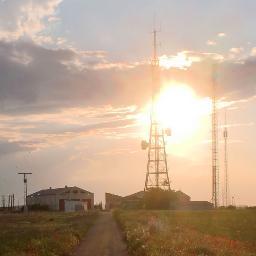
221, 232
42, 234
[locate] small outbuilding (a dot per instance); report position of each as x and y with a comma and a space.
63, 199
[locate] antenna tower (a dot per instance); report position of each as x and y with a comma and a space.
215, 166
226, 188
157, 170
25, 180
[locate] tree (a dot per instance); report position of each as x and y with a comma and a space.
157, 198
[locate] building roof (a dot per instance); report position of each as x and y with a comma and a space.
112, 195
57, 191
138, 195
180, 193
200, 203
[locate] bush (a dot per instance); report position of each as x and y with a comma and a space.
157, 198
38, 207
98, 206
231, 207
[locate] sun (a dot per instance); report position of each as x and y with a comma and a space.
179, 108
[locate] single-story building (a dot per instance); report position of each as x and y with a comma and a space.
200, 205
63, 199
136, 201
133, 200
112, 201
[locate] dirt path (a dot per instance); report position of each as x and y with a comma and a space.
103, 239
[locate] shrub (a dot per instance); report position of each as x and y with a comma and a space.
157, 198
38, 207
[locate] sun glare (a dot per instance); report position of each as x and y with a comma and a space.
181, 110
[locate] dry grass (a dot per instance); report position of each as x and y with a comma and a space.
42, 234
222, 232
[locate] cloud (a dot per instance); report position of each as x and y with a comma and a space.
7, 147
185, 59
221, 34
42, 130
253, 51
34, 79
238, 125
182, 60
236, 50
238, 80
211, 43
234, 104
19, 18
235, 54
51, 100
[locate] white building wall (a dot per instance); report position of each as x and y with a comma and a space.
53, 200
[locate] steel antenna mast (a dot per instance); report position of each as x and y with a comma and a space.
226, 188
215, 165
25, 180
157, 169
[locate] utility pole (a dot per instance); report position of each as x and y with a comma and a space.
3, 201
25, 188
215, 166
157, 170
226, 181
233, 201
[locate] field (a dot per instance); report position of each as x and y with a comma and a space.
42, 234
221, 232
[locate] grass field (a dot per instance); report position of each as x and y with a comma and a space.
162, 233
42, 234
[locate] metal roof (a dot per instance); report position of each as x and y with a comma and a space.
57, 191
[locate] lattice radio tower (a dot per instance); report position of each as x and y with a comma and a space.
215, 165
226, 181
157, 170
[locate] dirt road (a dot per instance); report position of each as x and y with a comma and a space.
103, 239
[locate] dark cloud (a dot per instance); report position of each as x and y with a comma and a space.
238, 80
234, 80
25, 83
35, 79
11, 147
46, 80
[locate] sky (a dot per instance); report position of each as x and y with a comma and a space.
75, 89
